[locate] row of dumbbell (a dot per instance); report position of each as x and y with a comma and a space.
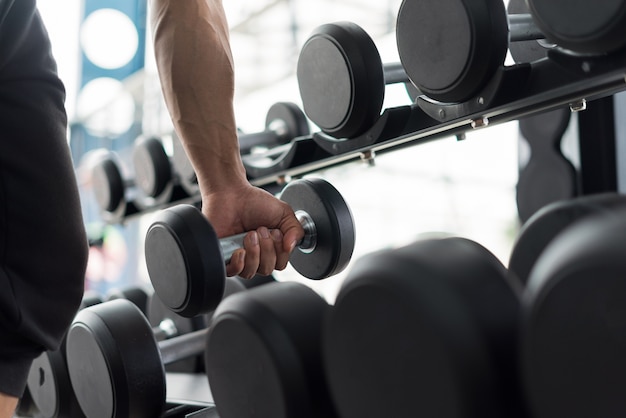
450, 52
155, 178
442, 328
437, 328
49, 392
112, 349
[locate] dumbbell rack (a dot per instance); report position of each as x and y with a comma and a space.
514, 92
517, 91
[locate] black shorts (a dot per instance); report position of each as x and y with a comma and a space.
43, 246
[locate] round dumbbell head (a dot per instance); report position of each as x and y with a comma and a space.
114, 362
426, 330
574, 316
333, 223
108, 184
341, 80
263, 354
184, 261
284, 122
50, 388
584, 26
291, 116
451, 48
153, 171
537, 233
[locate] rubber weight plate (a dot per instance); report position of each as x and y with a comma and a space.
428, 330
291, 115
594, 27
451, 48
263, 354
106, 349
334, 225
153, 171
184, 261
108, 184
537, 233
340, 77
574, 316
50, 388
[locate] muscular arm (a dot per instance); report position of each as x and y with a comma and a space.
197, 76
195, 65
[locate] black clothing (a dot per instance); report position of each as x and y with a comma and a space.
43, 245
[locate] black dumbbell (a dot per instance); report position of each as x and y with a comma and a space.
158, 314
425, 330
451, 49
585, 27
186, 260
342, 79
263, 354
545, 225
116, 359
574, 317
153, 173
48, 382
115, 191
284, 122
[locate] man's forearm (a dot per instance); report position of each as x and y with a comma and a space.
195, 66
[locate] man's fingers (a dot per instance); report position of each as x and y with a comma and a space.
282, 256
253, 255
268, 252
237, 262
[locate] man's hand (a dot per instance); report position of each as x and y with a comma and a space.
274, 229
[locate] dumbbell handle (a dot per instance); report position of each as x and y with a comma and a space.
165, 330
275, 134
307, 244
394, 73
183, 346
522, 28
